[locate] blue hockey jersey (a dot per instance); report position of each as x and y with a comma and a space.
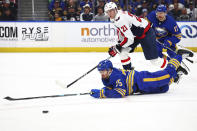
166, 30
120, 83
126, 82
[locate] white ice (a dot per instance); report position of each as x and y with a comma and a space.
34, 74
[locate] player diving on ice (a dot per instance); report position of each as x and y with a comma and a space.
132, 31
119, 83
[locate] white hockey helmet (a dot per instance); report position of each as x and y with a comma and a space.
109, 6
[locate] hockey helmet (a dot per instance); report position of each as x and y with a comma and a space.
104, 65
109, 6
161, 8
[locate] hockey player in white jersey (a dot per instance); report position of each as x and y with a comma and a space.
132, 31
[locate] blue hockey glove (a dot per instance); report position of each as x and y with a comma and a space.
96, 93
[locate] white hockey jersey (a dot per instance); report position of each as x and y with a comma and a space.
129, 26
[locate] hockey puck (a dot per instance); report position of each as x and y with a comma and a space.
45, 111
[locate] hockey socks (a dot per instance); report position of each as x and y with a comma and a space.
128, 67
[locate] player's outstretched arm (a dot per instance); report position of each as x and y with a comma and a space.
107, 92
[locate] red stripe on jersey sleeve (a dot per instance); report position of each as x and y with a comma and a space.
124, 41
126, 60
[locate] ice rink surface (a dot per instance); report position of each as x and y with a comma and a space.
34, 74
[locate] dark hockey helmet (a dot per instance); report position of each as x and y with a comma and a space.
161, 8
105, 65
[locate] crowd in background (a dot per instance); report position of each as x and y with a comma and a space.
93, 10
8, 10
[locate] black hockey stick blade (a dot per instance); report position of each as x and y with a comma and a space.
8, 98
38, 97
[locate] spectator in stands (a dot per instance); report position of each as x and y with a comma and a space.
101, 4
137, 7
85, 2
101, 15
8, 10
170, 9
79, 10
13, 7
7, 15
6, 4
56, 9
1, 9
72, 15
195, 3
86, 15
176, 11
144, 13
64, 17
136, 4
52, 4
184, 16
72, 3
144, 6
164, 2
153, 7
131, 9
57, 17
181, 3
192, 11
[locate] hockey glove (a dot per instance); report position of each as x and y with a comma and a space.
114, 50
96, 93
168, 44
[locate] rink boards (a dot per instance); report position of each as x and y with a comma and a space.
71, 36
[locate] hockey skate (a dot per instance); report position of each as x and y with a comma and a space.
180, 71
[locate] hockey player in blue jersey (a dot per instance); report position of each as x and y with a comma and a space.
166, 29
119, 83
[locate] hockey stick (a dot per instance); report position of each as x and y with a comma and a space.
62, 85
50, 96
174, 51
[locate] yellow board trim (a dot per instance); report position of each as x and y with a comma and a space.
58, 49
66, 49
156, 79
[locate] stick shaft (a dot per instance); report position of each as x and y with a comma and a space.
49, 96
174, 51
81, 77
84, 75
